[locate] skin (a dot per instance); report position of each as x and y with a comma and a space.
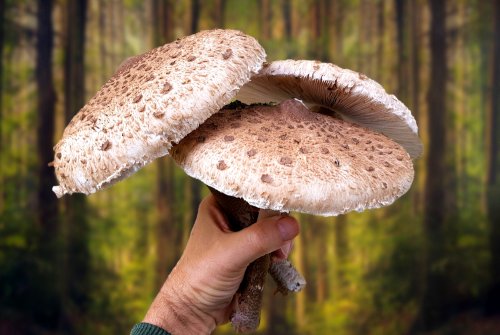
198, 294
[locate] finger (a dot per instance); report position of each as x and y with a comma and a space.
263, 237
284, 251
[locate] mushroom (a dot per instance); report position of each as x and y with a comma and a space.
287, 158
332, 90
156, 99
150, 103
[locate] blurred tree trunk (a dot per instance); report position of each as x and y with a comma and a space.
338, 18
287, 26
2, 34
493, 173
402, 17
415, 25
265, 19
321, 269
433, 309
219, 13
315, 28
77, 229
47, 205
341, 246
195, 16
380, 72
2, 41
167, 236
193, 186
298, 261
162, 22
103, 41
278, 323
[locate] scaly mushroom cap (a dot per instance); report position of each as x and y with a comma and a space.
354, 96
152, 101
287, 158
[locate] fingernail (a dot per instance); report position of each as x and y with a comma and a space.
287, 228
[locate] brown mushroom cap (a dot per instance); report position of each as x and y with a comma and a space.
354, 96
287, 158
152, 101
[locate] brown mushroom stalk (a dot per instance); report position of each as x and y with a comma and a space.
248, 301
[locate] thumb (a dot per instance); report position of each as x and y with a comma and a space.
261, 238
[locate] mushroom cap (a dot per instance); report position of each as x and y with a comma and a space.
354, 96
152, 101
287, 158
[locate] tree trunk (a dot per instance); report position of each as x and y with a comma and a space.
77, 230
167, 234
47, 206
219, 13
287, 26
2, 150
162, 22
415, 18
265, 16
195, 185
195, 16
400, 15
300, 299
315, 39
341, 253
2, 34
433, 309
493, 173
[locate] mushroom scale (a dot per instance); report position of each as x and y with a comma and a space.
287, 158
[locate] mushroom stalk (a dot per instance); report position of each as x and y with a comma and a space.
248, 303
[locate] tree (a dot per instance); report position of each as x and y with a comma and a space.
46, 205
493, 172
77, 230
2, 29
435, 297
167, 237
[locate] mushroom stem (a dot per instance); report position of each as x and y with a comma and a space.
248, 302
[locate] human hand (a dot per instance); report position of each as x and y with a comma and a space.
198, 294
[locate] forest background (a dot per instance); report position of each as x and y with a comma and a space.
429, 264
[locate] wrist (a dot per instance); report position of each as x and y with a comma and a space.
176, 313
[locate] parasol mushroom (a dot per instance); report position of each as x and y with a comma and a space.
333, 90
150, 103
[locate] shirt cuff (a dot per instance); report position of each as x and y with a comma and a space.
144, 328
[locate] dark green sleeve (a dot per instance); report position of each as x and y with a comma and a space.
147, 329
